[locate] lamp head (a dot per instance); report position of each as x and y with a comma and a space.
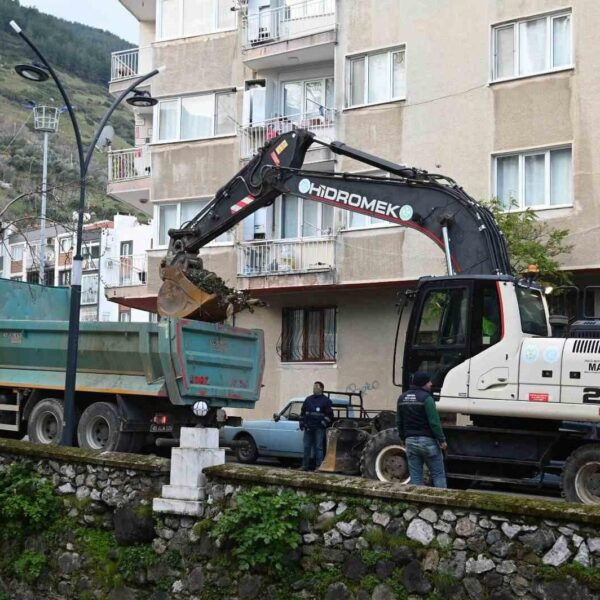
141, 99
32, 72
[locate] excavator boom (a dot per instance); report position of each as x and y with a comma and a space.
432, 204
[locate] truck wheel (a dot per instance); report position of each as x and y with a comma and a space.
99, 428
384, 458
246, 453
45, 423
580, 477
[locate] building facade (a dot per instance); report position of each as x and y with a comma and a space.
113, 255
499, 95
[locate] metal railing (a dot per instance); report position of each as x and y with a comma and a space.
126, 64
130, 270
125, 165
281, 257
286, 22
255, 135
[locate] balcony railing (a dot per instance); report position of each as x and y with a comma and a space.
255, 135
126, 165
283, 257
286, 22
126, 64
129, 270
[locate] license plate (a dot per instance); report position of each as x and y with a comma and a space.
161, 428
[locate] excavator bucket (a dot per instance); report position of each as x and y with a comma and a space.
179, 297
344, 443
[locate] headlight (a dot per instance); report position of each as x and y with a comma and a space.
200, 408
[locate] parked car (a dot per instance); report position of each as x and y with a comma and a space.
280, 437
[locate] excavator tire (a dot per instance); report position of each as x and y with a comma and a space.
384, 458
580, 477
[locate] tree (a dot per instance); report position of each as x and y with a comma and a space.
531, 241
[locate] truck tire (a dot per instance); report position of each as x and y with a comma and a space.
384, 458
99, 428
580, 477
45, 423
248, 453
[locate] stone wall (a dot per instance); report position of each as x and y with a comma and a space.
359, 539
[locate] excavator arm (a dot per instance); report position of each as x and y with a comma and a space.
432, 204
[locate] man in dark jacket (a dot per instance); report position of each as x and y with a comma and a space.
420, 427
315, 416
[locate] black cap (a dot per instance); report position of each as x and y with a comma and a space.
420, 379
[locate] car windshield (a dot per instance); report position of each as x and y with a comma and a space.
292, 411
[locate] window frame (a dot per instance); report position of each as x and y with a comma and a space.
156, 219
179, 99
521, 154
181, 18
549, 51
96, 289
12, 247
303, 82
278, 233
351, 58
307, 309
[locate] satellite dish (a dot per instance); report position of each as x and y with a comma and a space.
106, 138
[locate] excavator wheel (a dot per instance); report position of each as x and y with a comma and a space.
179, 297
580, 477
384, 458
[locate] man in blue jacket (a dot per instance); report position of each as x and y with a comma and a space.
315, 416
420, 427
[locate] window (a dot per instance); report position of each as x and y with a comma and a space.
183, 18
65, 245
64, 277
197, 117
90, 252
292, 411
125, 316
304, 218
443, 319
532, 312
539, 178
531, 46
308, 334
171, 216
376, 77
16, 252
88, 313
89, 289
314, 97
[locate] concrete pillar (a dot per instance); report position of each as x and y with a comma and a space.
198, 449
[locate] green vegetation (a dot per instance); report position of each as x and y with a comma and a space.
29, 566
27, 502
135, 558
588, 576
262, 527
531, 241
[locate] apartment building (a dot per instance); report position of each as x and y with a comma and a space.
499, 95
114, 254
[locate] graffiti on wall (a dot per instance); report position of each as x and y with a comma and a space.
365, 388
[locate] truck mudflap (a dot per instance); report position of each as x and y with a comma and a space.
217, 363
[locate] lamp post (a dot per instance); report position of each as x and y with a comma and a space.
36, 72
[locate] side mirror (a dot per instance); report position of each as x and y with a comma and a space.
275, 417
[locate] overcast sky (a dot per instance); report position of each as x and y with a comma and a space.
104, 14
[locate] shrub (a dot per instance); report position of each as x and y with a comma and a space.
29, 566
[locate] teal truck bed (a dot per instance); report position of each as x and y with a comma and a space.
176, 360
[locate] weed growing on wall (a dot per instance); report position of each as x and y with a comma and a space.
29, 566
27, 502
261, 528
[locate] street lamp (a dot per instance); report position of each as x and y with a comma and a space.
37, 73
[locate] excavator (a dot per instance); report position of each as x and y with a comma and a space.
530, 402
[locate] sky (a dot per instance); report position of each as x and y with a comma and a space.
104, 14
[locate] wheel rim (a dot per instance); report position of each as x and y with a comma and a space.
97, 433
391, 465
587, 483
246, 452
47, 428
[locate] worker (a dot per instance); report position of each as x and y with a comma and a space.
316, 415
420, 427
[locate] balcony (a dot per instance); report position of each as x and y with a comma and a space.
129, 177
286, 263
254, 136
129, 270
305, 29
127, 64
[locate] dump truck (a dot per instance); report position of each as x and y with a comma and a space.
529, 401
135, 381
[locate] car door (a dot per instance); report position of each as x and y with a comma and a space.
284, 436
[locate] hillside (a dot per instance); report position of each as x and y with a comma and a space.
81, 55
